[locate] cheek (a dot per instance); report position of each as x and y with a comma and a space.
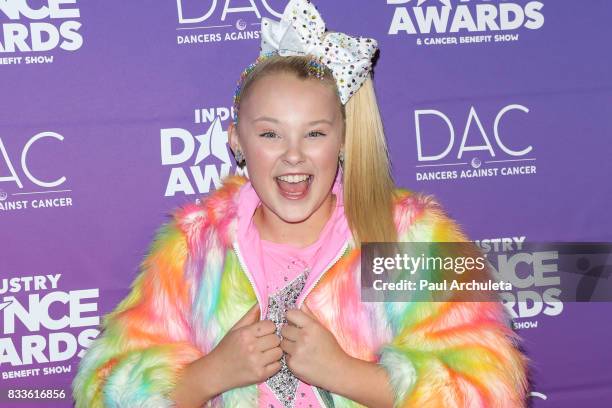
325, 157
260, 159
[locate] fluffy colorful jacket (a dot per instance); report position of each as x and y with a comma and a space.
192, 289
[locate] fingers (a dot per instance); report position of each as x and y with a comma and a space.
298, 317
290, 332
250, 317
271, 355
272, 368
268, 341
288, 346
263, 328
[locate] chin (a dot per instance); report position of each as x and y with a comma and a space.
294, 215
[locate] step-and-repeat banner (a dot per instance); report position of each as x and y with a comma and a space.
112, 113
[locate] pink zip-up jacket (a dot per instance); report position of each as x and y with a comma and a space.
194, 286
317, 256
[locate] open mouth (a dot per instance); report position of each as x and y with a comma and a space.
294, 186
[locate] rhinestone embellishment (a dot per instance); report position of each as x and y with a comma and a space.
284, 383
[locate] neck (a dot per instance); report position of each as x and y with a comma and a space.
299, 234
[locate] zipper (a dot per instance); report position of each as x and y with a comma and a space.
322, 403
342, 251
332, 263
236, 249
319, 399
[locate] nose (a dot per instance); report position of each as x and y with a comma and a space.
294, 153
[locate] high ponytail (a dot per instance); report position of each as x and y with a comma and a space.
368, 184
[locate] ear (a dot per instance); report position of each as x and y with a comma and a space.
232, 137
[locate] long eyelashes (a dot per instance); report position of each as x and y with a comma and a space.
271, 135
317, 133
267, 135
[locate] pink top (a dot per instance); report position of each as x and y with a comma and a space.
273, 265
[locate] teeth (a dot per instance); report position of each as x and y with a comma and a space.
294, 178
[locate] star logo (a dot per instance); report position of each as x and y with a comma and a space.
214, 142
445, 2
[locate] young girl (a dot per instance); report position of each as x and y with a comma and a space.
251, 298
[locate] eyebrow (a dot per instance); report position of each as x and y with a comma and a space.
269, 119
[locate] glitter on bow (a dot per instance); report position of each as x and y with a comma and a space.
302, 31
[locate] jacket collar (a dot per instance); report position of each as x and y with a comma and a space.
217, 214
248, 246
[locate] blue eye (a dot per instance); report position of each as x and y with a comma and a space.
268, 135
316, 134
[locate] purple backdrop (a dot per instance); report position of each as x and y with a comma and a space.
107, 110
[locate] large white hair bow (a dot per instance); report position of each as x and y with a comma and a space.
301, 31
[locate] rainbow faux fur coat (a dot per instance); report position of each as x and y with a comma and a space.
192, 288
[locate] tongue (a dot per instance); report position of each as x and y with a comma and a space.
293, 188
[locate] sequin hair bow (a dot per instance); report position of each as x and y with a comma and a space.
302, 31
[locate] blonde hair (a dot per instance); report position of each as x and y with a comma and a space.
368, 184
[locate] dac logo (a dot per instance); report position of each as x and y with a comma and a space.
201, 11
27, 32
472, 118
23, 166
194, 15
440, 17
24, 163
180, 148
444, 151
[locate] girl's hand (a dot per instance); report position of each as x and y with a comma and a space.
313, 354
249, 353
